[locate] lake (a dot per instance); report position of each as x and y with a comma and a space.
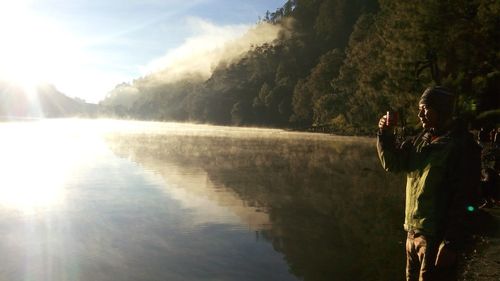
129, 200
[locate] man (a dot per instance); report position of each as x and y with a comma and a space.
442, 165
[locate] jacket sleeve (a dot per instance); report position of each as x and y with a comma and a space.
392, 157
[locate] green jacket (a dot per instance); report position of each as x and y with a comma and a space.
442, 179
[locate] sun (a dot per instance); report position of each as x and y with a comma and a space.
34, 50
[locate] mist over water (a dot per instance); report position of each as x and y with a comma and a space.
165, 201
200, 54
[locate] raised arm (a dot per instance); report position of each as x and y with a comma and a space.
392, 157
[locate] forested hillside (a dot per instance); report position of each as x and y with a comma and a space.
339, 65
42, 101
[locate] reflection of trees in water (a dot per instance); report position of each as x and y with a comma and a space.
335, 214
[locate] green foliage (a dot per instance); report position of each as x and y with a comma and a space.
340, 64
490, 116
308, 91
409, 45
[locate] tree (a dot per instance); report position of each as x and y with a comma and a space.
308, 91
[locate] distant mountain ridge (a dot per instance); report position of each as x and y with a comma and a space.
44, 101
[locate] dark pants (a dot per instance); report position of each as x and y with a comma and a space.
421, 255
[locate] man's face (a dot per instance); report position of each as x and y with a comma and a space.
428, 116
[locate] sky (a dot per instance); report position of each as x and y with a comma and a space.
86, 47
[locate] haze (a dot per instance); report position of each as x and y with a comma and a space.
86, 48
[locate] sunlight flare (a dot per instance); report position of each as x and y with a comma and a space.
33, 173
34, 50
37, 164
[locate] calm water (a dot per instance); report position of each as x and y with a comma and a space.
122, 200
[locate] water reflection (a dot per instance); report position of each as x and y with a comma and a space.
115, 219
37, 159
321, 201
108, 200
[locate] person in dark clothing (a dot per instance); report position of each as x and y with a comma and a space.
442, 165
483, 137
489, 184
496, 139
490, 154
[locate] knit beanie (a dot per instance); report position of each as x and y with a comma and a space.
438, 98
